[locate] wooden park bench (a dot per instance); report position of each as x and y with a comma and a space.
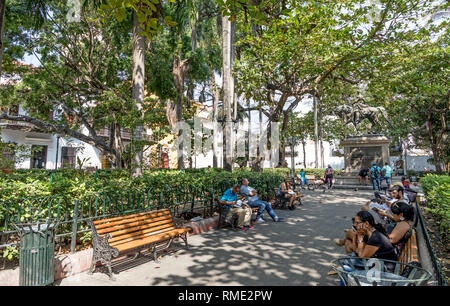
154, 230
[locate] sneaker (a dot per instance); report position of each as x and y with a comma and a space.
260, 220
250, 227
279, 219
244, 228
339, 242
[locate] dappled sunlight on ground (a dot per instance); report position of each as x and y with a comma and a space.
296, 252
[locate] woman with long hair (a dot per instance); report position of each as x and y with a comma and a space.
371, 239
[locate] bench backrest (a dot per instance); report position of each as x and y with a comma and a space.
410, 252
125, 228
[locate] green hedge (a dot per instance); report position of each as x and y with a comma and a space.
319, 172
437, 192
75, 184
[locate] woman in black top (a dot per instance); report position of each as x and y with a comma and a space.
370, 239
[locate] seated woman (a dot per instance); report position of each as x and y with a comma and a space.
351, 233
400, 231
285, 190
370, 240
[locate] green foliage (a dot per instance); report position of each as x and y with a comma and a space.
437, 192
71, 185
10, 253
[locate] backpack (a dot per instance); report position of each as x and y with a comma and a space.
375, 171
383, 172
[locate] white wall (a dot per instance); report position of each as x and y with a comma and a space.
49, 140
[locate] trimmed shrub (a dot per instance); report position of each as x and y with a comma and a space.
437, 192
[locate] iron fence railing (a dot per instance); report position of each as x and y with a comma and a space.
72, 214
438, 275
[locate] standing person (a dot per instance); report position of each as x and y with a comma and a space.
254, 201
387, 174
303, 177
329, 176
363, 175
375, 174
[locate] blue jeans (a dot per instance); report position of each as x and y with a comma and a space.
263, 206
378, 182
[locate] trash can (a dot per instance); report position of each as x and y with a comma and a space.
37, 248
356, 271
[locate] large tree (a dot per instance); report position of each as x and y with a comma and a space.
81, 80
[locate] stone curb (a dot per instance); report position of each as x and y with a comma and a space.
70, 264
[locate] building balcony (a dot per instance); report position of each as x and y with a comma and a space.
124, 133
16, 125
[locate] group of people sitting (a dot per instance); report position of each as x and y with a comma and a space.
241, 199
381, 228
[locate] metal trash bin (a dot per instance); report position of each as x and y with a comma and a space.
37, 249
357, 271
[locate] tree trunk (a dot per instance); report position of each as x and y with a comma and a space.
322, 161
304, 153
282, 162
228, 92
2, 28
139, 45
214, 115
434, 146
178, 76
316, 136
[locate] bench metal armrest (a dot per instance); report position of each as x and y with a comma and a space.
100, 241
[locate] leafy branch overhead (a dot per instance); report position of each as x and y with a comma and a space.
146, 11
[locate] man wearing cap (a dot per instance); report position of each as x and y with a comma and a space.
375, 174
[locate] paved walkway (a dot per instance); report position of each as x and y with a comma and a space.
296, 252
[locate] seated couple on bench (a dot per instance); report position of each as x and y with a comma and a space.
243, 207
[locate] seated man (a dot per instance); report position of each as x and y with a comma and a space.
363, 175
254, 201
397, 196
230, 200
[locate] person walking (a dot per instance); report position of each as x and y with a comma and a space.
329, 176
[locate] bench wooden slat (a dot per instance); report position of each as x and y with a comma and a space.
122, 241
117, 223
162, 229
149, 239
134, 231
142, 223
161, 212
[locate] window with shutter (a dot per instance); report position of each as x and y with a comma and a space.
68, 157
